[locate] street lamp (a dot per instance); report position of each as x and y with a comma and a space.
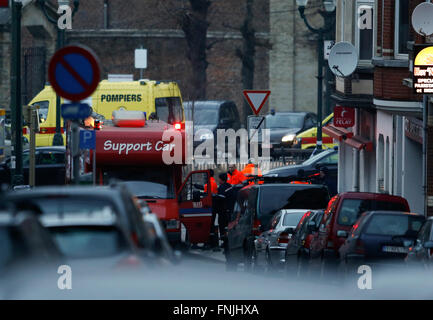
329, 6
58, 138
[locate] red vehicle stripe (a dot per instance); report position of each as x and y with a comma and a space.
313, 140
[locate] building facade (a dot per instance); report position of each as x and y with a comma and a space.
389, 116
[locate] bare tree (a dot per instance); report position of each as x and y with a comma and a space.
248, 52
194, 24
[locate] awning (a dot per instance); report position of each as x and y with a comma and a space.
360, 143
339, 134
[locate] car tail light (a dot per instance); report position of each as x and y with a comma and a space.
284, 237
134, 238
256, 227
359, 248
177, 125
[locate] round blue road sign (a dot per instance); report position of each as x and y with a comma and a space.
74, 73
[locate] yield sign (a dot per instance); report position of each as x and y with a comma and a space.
256, 99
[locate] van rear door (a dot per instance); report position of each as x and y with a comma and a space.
195, 206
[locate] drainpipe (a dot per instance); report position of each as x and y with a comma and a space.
356, 155
106, 14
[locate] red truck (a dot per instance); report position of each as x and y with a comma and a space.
342, 212
132, 153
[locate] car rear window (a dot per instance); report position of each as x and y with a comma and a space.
89, 241
351, 209
394, 225
292, 219
275, 198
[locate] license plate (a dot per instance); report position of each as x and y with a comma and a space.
395, 249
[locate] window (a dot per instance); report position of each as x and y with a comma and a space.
51, 158
331, 159
43, 110
169, 109
402, 28
364, 36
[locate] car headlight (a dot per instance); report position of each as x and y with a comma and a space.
206, 136
288, 137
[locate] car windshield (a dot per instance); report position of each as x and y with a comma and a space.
204, 117
144, 182
282, 121
394, 225
351, 209
290, 197
317, 158
12, 246
89, 241
292, 219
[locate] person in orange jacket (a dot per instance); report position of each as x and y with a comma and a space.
213, 184
235, 176
252, 170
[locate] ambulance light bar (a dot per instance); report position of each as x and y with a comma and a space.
129, 119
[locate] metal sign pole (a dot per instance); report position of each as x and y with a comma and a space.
94, 166
32, 151
76, 151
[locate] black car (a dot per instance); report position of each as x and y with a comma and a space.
309, 168
210, 116
254, 208
49, 167
298, 246
421, 253
284, 126
379, 237
86, 199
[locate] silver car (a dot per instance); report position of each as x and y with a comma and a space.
271, 244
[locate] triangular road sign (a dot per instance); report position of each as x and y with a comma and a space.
256, 99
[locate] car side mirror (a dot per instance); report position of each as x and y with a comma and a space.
342, 234
428, 245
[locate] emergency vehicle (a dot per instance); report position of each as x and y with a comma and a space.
135, 150
308, 138
160, 97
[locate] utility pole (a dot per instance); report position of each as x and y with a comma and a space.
16, 108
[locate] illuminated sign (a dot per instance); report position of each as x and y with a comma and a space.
423, 69
344, 117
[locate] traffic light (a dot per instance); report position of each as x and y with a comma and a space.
4, 3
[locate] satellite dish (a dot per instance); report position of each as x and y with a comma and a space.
343, 59
422, 19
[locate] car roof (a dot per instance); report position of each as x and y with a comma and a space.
370, 195
294, 210
210, 104
288, 185
289, 112
63, 190
69, 220
383, 212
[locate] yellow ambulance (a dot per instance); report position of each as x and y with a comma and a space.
157, 98
308, 138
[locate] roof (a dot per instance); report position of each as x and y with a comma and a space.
370, 195
382, 212
63, 190
206, 103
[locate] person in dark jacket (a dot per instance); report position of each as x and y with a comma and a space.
225, 206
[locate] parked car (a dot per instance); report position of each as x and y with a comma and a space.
210, 116
49, 166
284, 126
24, 242
341, 214
421, 253
327, 158
85, 200
254, 208
298, 247
271, 245
93, 236
379, 237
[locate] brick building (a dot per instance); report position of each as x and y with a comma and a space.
386, 154
115, 28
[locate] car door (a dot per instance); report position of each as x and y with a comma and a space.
273, 232
50, 167
195, 206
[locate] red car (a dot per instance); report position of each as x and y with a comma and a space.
342, 212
